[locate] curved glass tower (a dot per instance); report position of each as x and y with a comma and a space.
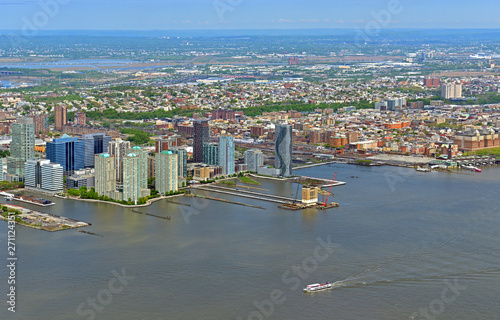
283, 148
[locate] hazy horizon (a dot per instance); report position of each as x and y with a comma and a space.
240, 14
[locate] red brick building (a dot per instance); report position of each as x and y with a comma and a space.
432, 82
224, 114
473, 140
257, 131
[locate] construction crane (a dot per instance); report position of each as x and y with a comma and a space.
330, 191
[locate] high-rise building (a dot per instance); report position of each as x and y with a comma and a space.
181, 160
96, 143
201, 136
133, 178
43, 175
253, 159
60, 117
283, 149
151, 166
226, 154
80, 119
105, 175
41, 122
143, 155
395, 104
118, 149
166, 175
22, 147
167, 143
132, 181
211, 154
451, 90
68, 152
52, 177
33, 173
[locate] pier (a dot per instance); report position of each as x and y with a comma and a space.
261, 196
151, 215
27, 199
225, 201
328, 182
248, 194
315, 165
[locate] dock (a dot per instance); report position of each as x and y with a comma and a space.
284, 202
247, 194
328, 183
319, 205
26, 199
225, 201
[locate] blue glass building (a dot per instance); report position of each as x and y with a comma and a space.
68, 152
94, 144
226, 154
211, 154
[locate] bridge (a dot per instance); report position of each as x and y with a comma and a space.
9, 73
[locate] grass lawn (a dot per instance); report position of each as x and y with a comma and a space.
486, 152
248, 180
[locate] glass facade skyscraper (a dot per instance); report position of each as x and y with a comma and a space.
22, 147
226, 154
94, 144
283, 149
68, 152
201, 137
211, 154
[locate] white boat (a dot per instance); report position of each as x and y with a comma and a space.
420, 169
317, 287
472, 168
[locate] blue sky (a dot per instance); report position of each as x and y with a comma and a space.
246, 14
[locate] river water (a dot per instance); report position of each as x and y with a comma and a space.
402, 245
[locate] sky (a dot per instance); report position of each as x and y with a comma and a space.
246, 14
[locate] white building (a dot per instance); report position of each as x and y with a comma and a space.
451, 90
44, 176
52, 177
